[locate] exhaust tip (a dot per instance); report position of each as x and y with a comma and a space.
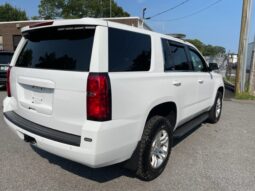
29, 139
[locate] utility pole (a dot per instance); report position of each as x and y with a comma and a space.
144, 10
241, 68
246, 47
251, 88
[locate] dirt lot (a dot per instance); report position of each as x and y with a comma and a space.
212, 157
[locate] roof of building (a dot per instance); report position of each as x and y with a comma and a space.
27, 21
141, 27
140, 22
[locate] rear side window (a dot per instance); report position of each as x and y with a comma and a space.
129, 51
58, 48
169, 64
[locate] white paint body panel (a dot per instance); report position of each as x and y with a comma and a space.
134, 95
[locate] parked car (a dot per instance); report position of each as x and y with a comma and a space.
5, 59
101, 93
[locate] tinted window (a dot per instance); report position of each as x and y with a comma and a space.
5, 58
169, 65
175, 56
65, 48
198, 63
128, 51
179, 58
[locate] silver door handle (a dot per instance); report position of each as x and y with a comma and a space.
177, 84
201, 81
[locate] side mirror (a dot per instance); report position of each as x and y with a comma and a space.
213, 66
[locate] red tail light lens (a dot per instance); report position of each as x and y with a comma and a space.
98, 97
8, 83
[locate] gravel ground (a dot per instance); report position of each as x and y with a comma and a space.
212, 157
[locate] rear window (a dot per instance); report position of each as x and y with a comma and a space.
58, 48
129, 51
5, 58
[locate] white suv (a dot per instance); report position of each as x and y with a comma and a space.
101, 93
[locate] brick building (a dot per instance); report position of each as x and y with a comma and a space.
10, 34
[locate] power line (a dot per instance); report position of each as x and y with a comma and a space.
192, 14
170, 9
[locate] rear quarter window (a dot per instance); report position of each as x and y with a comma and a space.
129, 51
58, 48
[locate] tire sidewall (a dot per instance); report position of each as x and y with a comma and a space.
219, 96
160, 124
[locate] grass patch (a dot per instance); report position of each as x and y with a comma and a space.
245, 96
231, 80
242, 96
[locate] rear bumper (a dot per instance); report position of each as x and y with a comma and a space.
112, 142
41, 130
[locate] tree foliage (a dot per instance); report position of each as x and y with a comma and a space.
52, 9
207, 50
10, 13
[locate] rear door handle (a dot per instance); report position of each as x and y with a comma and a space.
177, 84
201, 81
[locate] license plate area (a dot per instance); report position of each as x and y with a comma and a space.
38, 95
37, 99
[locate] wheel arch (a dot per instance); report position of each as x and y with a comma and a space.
165, 109
221, 89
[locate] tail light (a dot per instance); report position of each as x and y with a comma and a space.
8, 83
98, 97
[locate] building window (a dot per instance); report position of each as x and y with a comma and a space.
16, 39
1, 43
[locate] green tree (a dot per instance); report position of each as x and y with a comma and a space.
220, 50
197, 43
10, 13
51, 9
35, 18
207, 50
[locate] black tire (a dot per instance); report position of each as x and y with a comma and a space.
213, 117
156, 124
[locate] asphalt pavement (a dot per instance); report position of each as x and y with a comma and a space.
212, 157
